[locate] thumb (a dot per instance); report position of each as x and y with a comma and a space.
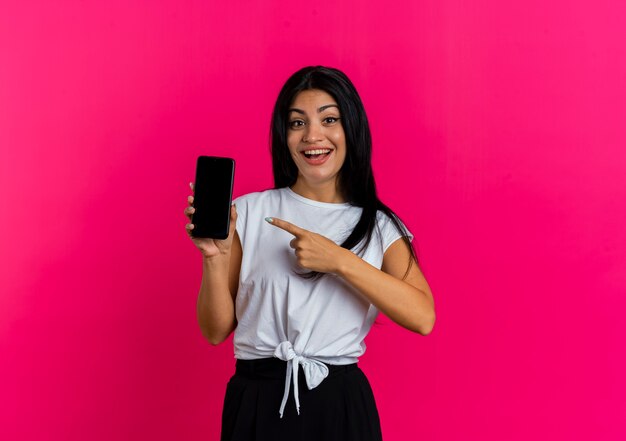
233, 219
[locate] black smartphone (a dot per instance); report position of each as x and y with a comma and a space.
213, 193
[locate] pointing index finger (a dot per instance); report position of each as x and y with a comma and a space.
287, 226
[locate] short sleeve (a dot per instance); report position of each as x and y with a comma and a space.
241, 205
389, 233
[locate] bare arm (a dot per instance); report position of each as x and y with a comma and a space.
218, 291
221, 263
408, 302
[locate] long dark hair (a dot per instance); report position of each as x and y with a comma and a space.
356, 179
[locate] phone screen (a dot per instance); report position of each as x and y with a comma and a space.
213, 191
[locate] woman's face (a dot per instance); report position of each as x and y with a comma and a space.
315, 136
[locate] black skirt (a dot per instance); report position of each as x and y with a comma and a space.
341, 408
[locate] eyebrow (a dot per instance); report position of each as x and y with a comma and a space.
321, 109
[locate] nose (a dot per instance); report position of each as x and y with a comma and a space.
312, 133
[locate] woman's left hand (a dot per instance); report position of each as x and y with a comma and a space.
313, 251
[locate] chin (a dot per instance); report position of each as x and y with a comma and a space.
319, 178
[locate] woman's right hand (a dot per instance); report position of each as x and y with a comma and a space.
211, 248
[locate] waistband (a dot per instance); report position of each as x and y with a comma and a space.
290, 362
274, 368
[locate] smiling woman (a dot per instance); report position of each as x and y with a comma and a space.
316, 140
302, 291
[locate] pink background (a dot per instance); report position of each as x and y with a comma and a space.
499, 137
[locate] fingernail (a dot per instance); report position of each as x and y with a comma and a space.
269, 219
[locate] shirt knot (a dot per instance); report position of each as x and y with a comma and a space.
314, 372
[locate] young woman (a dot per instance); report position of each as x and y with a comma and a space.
305, 270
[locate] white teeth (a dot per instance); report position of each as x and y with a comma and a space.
316, 152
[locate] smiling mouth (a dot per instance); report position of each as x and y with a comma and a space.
316, 153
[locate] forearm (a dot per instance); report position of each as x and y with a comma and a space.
406, 305
215, 308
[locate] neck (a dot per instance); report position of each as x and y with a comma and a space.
321, 192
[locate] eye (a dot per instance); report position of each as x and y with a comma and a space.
331, 119
296, 123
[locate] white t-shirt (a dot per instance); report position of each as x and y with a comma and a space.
282, 314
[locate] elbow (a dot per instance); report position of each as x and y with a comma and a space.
428, 320
426, 325
421, 320
215, 332
426, 330
216, 340
214, 337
